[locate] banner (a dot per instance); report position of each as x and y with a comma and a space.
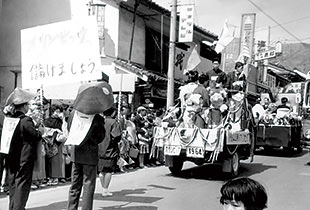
225, 38
247, 35
186, 23
60, 52
9, 126
79, 128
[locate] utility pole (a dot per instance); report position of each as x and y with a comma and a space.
170, 87
268, 41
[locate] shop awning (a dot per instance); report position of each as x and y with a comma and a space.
139, 71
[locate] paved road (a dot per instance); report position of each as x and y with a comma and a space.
286, 178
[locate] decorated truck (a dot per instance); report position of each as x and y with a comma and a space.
280, 126
223, 133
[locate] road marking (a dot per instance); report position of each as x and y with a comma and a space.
305, 174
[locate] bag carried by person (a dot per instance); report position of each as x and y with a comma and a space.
133, 151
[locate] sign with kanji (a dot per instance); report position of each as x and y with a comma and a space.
60, 52
9, 126
265, 55
247, 34
79, 128
186, 23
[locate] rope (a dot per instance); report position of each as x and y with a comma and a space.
231, 153
215, 153
192, 139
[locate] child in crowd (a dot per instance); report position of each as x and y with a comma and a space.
243, 194
108, 150
144, 142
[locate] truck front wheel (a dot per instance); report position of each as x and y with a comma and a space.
235, 165
177, 165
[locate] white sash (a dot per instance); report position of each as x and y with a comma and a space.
9, 126
79, 128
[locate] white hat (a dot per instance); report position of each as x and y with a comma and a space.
140, 108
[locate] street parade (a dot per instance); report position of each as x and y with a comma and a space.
131, 104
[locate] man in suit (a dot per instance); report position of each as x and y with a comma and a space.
84, 159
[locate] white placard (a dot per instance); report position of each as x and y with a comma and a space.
186, 24
9, 126
62, 52
265, 55
79, 128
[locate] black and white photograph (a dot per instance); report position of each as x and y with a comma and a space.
154, 104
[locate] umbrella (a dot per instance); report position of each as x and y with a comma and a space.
19, 96
94, 98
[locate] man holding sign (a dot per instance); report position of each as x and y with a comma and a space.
21, 137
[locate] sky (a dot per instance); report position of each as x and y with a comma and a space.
292, 15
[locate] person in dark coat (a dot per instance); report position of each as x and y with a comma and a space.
140, 121
236, 79
84, 159
109, 152
21, 156
216, 75
202, 89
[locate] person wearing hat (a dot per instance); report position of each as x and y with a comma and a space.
22, 151
187, 89
216, 75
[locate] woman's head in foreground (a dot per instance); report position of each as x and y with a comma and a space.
243, 194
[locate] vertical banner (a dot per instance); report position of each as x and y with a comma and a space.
186, 23
247, 39
247, 34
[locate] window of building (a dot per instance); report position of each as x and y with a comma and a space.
154, 60
271, 81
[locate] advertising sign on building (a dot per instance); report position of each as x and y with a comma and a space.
186, 23
60, 52
247, 35
265, 55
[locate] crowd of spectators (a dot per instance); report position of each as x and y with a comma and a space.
53, 163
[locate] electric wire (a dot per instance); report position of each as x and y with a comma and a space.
260, 9
285, 23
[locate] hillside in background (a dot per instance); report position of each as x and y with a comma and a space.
295, 55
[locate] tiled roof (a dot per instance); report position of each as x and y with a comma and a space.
140, 71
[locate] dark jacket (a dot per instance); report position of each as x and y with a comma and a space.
217, 76
87, 151
139, 122
109, 147
24, 143
231, 78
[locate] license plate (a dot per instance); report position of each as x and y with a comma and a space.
172, 150
196, 152
242, 137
